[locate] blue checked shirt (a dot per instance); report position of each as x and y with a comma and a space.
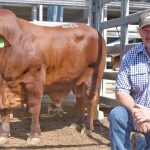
134, 75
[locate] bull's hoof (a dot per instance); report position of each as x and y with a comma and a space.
76, 127
89, 133
81, 129
86, 132
3, 140
33, 141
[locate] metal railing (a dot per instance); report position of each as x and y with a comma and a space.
77, 3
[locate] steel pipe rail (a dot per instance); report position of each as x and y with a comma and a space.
108, 1
133, 18
74, 3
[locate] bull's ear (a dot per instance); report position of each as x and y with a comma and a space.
4, 42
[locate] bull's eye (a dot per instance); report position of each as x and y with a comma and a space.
2, 43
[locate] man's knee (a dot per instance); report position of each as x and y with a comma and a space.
116, 114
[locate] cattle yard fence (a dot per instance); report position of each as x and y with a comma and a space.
100, 22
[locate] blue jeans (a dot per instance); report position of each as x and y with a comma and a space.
121, 125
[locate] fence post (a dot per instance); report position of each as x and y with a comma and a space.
40, 12
124, 25
34, 13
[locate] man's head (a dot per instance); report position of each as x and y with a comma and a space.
144, 29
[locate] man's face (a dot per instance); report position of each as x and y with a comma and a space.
145, 35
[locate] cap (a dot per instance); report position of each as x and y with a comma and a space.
144, 19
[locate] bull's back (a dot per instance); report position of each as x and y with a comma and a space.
68, 50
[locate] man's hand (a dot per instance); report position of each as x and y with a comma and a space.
141, 118
140, 113
143, 127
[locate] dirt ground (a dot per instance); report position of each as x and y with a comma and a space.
58, 133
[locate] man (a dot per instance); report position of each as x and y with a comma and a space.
133, 93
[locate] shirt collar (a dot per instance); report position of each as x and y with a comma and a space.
141, 48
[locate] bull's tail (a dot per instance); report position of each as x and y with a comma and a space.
100, 64
102, 50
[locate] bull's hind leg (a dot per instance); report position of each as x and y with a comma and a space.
86, 106
87, 95
93, 77
79, 91
5, 126
91, 105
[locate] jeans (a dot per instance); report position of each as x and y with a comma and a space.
121, 125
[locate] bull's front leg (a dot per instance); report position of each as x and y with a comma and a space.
5, 126
4, 112
35, 92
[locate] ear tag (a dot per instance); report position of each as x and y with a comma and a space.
2, 44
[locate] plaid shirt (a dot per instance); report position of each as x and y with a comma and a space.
134, 75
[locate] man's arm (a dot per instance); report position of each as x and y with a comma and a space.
125, 99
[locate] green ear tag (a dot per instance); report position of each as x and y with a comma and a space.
2, 44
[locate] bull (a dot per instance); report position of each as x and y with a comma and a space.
53, 60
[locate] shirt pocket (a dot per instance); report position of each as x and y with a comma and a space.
139, 81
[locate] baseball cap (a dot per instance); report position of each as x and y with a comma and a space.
144, 19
